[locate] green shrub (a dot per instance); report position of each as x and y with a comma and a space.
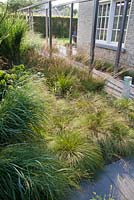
10, 78
77, 152
31, 41
103, 65
64, 84
92, 85
22, 113
14, 28
28, 171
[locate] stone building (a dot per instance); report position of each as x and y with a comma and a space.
108, 28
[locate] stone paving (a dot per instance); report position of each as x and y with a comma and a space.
116, 181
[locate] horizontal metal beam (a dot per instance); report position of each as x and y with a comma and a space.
35, 5
53, 6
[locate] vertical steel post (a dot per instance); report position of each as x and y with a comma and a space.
94, 27
71, 24
32, 22
46, 26
118, 54
50, 27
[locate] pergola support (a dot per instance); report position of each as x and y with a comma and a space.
119, 48
71, 24
94, 27
50, 28
46, 21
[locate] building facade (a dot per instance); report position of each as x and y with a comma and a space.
108, 28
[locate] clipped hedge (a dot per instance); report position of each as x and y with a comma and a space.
60, 26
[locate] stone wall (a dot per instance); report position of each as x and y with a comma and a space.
84, 36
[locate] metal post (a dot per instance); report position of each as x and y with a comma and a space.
118, 54
71, 24
47, 26
32, 21
94, 26
50, 27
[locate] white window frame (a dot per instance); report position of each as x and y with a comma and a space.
108, 40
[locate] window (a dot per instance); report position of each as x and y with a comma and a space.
109, 22
103, 17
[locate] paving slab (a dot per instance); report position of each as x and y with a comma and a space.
116, 180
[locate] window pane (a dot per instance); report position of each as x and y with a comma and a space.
101, 35
103, 22
117, 37
113, 36
105, 35
104, 10
99, 21
122, 9
117, 9
100, 10
119, 23
115, 22
106, 22
108, 9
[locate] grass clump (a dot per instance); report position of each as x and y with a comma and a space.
77, 152
82, 57
28, 171
22, 113
103, 65
14, 28
64, 78
126, 106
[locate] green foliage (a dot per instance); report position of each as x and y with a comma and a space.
30, 172
92, 85
31, 41
77, 152
64, 84
103, 65
105, 197
82, 57
64, 78
22, 113
15, 29
10, 78
127, 107
14, 5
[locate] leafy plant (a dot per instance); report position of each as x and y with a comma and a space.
10, 78
22, 113
64, 84
28, 171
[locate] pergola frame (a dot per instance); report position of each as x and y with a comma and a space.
48, 9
